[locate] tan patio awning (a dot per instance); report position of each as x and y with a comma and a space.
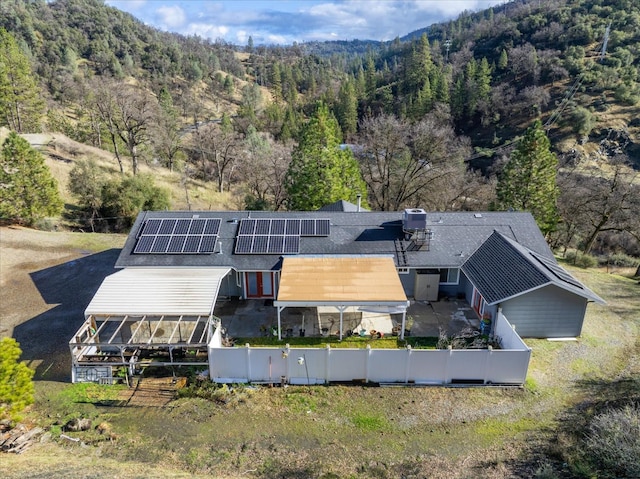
344, 281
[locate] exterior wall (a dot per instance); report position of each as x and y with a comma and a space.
549, 312
229, 287
402, 366
408, 282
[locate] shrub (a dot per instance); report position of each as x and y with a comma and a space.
582, 260
613, 440
16, 387
621, 260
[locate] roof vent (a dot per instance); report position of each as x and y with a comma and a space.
477, 215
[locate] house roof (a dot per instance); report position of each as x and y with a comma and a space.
158, 291
341, 280
343, 205
502, 269
453, 237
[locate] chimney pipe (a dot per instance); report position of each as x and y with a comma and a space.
359, 196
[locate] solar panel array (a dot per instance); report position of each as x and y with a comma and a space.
276, 235
178, 236
557, 271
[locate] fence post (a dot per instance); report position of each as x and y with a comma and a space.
487, 363
366, 363
327, 364
447, 379
407, 364
248, 362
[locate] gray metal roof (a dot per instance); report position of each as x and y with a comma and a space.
501, 268
454, 237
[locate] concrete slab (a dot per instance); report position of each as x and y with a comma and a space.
256, 318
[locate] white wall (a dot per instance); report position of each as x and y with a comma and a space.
420, 366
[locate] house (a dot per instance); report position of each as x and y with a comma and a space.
175, 265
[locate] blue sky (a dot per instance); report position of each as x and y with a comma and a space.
287, 21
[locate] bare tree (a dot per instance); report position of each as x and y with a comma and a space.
591, 205
218, 151
264, 169
410, 165
136, 109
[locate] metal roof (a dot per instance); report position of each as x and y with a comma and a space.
502, 269
340, 280
158, 291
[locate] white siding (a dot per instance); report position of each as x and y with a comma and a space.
548, 312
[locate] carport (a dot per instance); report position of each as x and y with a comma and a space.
370, 282
160, 316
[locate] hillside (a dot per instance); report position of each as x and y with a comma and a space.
459, 94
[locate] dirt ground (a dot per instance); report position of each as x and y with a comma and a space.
45, 286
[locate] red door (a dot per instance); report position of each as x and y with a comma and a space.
259, 284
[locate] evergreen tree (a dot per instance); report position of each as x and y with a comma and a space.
16, 386
20, 104
28, 192
503, 61
321, 172
347, 108
528, 180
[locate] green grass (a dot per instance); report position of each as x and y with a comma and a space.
355, 342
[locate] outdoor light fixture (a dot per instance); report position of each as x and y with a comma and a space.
301, 360
285, 355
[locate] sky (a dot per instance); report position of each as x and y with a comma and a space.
282, 22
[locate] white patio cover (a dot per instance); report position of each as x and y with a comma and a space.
158, 292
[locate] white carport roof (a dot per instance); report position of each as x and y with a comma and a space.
158, 291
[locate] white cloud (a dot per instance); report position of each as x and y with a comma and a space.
171, 17
207, 30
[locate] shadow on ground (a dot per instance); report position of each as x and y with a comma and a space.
68, 288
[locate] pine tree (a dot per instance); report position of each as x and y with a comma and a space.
348, 108
321, 172
28, 192
503, 61
528, 180
20, 104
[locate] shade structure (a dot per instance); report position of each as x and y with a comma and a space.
158, 291
340, 281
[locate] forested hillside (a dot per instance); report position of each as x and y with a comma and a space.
432, 119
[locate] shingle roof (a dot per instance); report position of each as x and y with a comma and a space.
502, 268
454, 237
343, 205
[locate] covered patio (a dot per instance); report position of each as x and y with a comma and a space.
143, 316
352, 285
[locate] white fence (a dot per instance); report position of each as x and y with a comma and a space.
405, 366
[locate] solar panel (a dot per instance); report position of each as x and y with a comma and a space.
167, 226
176, 243
260, 244
197, 226
178, 236
151, 227
277, 227
160, 244
247, 227
293, 227
262, 227
192, 244
212, 226
291, 245
144, 244
243, 244
308, 228
557, 271
276, 244
182, 227
323, 227
208, 244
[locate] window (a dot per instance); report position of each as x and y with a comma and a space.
403, 270
449, 275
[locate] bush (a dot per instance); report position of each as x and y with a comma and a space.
613, 440
621, 260
581, 260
